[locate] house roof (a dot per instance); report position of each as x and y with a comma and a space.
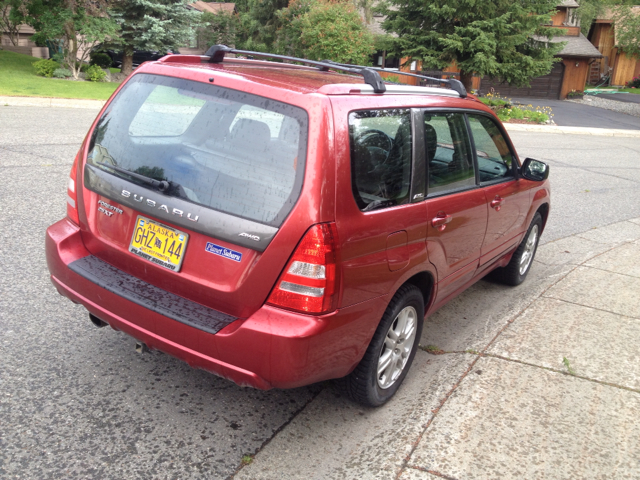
568, 3
575, 46
214, 7
608, 14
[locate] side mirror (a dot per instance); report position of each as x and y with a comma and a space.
534, 170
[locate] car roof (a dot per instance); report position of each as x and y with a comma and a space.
296, 78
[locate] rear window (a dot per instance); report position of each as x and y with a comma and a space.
224, 149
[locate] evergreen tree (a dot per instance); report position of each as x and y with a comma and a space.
500, 38
158, 25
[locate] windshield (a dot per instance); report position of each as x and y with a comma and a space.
224, 149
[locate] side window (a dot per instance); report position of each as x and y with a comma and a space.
494, 157
381, 148
448, 154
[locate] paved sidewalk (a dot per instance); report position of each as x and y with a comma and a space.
546, 386
50, 102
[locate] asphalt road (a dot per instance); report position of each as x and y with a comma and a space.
569, 114
78, 402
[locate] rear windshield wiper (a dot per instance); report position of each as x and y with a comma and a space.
161, 185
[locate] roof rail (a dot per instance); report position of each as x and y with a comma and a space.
455, 85
371, 76
217, 52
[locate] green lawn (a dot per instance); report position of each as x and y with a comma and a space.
18, 78
629, 90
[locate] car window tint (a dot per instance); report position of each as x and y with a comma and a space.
227, 150
449, 161
494, 156
381, 149
165, 113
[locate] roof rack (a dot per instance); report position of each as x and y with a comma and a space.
455, 85
371, 76
216, 55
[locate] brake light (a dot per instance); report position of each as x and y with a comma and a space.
72, 195
309, 282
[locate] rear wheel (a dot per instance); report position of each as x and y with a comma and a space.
518, 268
390, 354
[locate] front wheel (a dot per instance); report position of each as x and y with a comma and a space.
390, 354
516, 271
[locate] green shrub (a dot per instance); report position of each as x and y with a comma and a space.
58, 57
62, 73
84, 67
95, 74
101, 59
391, 78
516, 113
45, 68
635, 83
538, 117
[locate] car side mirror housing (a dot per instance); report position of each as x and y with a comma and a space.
534, 170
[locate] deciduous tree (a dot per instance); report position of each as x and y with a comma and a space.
12, 15
320, 29
80, 24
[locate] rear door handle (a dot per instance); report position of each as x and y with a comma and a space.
440, 221
497, 203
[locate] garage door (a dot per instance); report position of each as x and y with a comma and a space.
547, 86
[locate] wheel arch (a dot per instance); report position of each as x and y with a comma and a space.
543, 210
424, 281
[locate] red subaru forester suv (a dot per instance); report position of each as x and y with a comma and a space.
280, 224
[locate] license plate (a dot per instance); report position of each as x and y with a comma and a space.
158, 243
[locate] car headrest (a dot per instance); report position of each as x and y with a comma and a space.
250, 132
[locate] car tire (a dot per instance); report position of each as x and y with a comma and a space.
518, 267
394, 343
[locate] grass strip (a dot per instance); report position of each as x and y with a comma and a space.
18, 79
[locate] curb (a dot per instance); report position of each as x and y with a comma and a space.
512, 127
50, 102
603, 132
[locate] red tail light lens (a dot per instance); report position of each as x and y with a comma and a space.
72, 195
309, 282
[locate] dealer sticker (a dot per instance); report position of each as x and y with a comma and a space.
223, 252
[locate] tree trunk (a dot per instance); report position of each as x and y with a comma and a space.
127, 61
72, 49
467, 80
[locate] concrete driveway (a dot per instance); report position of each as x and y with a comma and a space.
621, 97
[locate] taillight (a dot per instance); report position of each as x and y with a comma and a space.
72, 194
309, 282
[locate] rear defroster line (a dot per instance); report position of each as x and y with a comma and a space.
149, 296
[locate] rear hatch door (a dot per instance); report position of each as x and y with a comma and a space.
187, 185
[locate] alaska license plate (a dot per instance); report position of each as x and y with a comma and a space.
158, 243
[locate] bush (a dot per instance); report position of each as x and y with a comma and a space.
391, 78
95, 74
58, 57
45, 68
62, 73
84, 67
536, 116
101, 59
635, 83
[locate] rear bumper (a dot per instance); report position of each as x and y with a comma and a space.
271, 348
